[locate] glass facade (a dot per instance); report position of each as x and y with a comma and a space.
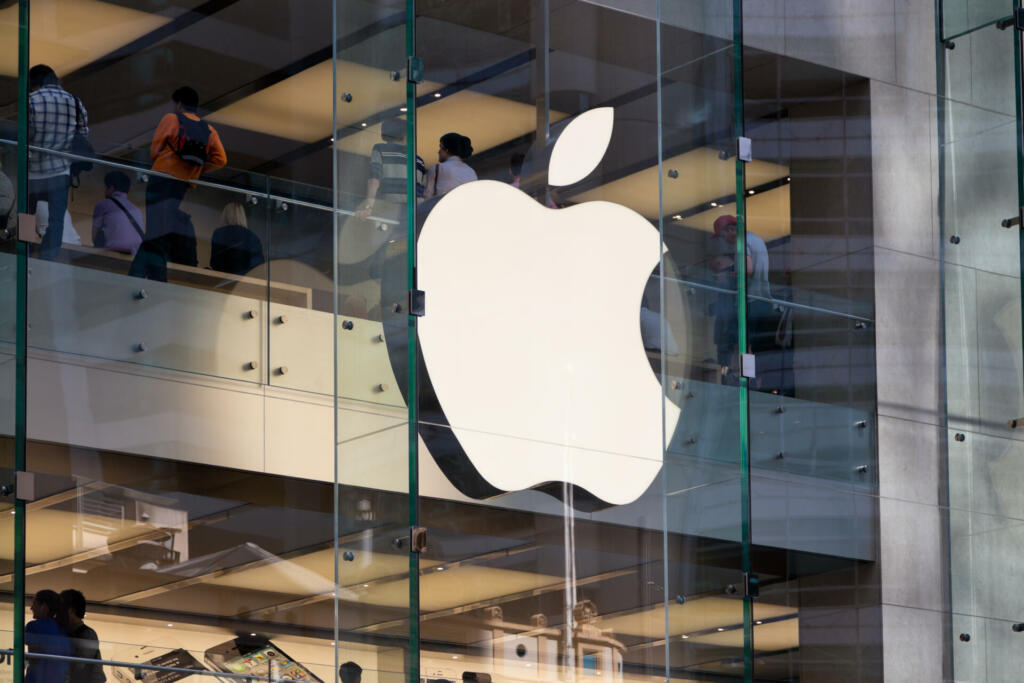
510, 340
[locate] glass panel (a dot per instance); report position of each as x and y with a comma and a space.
374, 562
812, 402
961, 16
110, 298
980, 158
180, 482
9, 186
535, 514
700, 356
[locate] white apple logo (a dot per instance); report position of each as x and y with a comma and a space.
531, 338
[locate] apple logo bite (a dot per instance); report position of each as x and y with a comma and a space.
531, 337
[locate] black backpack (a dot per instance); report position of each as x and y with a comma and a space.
193, 138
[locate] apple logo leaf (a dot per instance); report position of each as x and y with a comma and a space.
581, 146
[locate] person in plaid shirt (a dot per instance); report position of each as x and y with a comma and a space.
55, 116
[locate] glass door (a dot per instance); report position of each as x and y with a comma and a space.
980, 176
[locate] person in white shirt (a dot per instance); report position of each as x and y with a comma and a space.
452, 169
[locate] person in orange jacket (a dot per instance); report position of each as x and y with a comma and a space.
184, 146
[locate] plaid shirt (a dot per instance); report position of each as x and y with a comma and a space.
53, 120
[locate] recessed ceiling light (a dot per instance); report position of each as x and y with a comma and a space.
685, 636
714, 203
455, 656
750, 192
366, 585
441, 569
79, 570
363, 125
437, 94
170, 625
720, 628
758, 622
677, 217
404, 109
253, 635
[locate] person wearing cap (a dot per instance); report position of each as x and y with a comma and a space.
758, 263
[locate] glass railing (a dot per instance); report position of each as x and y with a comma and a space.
249, 291
266, 316
184, 664
811, 404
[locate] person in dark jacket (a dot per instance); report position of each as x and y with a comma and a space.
45, 635
84, 640
235, 248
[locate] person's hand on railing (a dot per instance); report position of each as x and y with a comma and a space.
365, 211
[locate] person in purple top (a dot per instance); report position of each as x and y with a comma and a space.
44, 635
116, 222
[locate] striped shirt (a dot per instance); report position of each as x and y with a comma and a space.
54, 117
387, 164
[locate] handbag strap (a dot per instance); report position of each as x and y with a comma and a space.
135, 223
78, 115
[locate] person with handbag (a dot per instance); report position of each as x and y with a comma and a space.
56, 120
116, 222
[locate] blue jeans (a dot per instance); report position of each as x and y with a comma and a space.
53, 191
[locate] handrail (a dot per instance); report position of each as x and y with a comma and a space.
202, 183
778, 302
148, 667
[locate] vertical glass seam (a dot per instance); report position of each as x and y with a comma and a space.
663, 343
335, 230
940, 113
412, 389
21, 348
741, 319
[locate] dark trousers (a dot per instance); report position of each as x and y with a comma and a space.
165, 227
163, 199
53, 191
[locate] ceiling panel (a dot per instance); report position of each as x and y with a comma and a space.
702, 177
68, 34
771, 637
299, 107
690, 617
486, 119
767, 214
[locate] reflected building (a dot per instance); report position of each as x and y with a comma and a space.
721, 382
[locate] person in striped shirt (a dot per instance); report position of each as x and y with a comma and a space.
388, 173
